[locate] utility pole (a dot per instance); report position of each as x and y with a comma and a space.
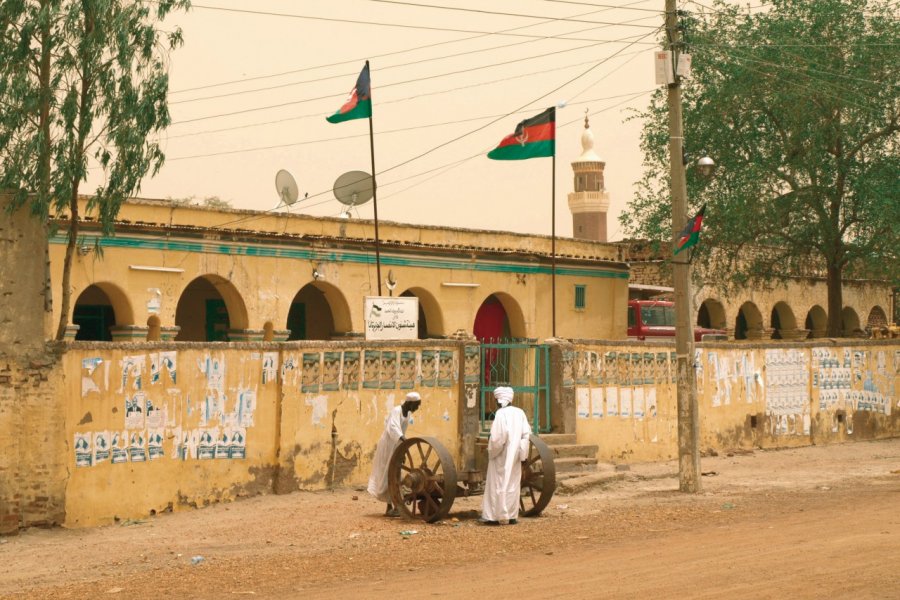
686, 383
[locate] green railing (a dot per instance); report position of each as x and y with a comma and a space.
525, 367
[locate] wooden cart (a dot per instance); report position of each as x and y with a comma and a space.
423, 481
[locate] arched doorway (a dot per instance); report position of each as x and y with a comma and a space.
782, 321
431, 321
850, 322
748, 323
208, 307
711, 315
318, 312
816, 321
98, 308
877, 318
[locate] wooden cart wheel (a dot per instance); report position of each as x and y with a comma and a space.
538, 478
422, 479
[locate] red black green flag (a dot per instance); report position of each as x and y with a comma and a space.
533, 138
690, 235
359, 103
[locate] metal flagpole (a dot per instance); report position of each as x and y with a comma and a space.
553, 233
374, 186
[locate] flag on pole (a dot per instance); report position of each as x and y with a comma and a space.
359, 103
690, 235
533, 138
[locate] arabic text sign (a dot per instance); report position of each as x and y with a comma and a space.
390, 318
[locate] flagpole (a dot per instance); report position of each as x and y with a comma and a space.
374, 193
553, 238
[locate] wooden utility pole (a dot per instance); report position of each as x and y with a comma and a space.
686, 383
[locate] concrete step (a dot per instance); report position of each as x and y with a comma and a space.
569, 450
577, 464
552, 439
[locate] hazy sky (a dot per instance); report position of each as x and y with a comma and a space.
252, 85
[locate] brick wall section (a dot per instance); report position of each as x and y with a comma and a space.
33, 459
32, 418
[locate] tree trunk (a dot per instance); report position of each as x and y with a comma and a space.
835, 302
43, 157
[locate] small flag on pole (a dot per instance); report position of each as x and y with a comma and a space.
533, 138
359, 103
690, 235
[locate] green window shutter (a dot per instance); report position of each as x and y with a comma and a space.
580, 300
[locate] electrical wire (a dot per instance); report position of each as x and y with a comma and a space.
407, 50
414, 97
491, 12
358, 22
385, 68
459, 137
417, 80
361, 135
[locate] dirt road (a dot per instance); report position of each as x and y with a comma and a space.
807, 523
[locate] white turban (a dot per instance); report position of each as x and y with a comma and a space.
414, 397
504, 395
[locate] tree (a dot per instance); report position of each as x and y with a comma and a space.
800, 106
81, 80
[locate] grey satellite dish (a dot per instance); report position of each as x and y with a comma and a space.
353, 188
287, 187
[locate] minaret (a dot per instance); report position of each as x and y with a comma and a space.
590, 200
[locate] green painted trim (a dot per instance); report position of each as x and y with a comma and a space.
138, 243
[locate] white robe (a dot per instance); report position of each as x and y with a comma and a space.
507, 448
394, 427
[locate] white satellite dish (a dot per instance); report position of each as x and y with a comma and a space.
287, 187
353, 188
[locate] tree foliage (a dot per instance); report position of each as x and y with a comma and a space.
799, 105
80, 81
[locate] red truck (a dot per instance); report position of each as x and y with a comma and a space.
648, 319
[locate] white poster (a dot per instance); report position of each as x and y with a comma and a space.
389, 318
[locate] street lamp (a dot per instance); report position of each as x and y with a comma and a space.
706, 166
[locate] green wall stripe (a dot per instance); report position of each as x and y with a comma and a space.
138, 243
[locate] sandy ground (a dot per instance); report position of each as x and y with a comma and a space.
805, 523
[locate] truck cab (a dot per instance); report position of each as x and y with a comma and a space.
649, 319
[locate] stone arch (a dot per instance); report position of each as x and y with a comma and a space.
99, 307
319, 311
499, 316
783, 322
748, 324
877, 318
431, 319
816, 322
850, 322
711, 315
208, 307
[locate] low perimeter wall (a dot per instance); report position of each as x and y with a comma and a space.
750, 396
154, 427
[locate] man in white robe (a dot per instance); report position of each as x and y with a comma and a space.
507, 448
394, 433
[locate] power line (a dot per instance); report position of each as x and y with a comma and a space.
360, 22
457, 138
348, 137
417, 80
491, 12
423, 47
414, 97
610, 6
381, 69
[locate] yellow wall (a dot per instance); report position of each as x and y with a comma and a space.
749, 396
283, 400
261, 268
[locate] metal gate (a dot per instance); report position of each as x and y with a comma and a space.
525, 367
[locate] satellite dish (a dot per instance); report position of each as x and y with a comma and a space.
353, 188
287, 187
